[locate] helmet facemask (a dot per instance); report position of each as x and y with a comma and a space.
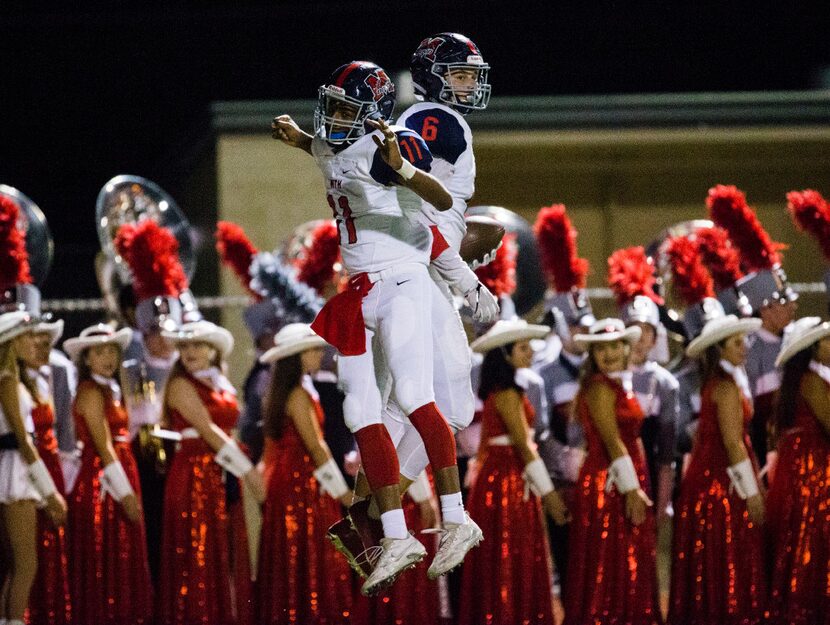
340, 118
474, 99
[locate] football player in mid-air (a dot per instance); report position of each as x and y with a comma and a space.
386, 252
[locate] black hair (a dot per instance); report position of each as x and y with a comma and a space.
794, 371
496, 373
287, 374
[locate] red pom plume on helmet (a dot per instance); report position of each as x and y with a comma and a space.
14, 260
500, 275
691, 282
810, 213
728, 209
556, 240
236, 251
316, 266
719, 256
152, 253
631, 273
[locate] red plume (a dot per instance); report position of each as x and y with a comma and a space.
728, 209
152, 253
810, 213
556, 238
236, 251
316, 266
500, 275
719, 256
631, 273
14, 260
691, 281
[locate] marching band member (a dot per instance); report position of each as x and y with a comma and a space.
769, 297
612, 575
110, 576
198, 581
800, 491
718, 562
302, 578
514, 554
158, 280
568, 312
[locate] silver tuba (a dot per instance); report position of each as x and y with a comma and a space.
32, 224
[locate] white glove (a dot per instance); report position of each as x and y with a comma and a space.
483, 303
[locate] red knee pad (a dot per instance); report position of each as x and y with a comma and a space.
436, 434
378, 455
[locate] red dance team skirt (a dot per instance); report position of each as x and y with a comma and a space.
49, 600
197, 583
109, 574
612, 568
799, 524
508, 577
303, 579
718, 564
413, 599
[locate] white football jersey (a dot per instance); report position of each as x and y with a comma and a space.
450, 140
376, 233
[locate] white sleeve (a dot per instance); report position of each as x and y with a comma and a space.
452, 268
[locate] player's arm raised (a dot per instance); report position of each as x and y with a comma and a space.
285, 129
424, 184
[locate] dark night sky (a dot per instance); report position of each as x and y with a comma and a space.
88, 94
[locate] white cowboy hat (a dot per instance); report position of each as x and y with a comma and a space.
800, 334
609, 329
508, 331
293, 339
718, 329
204, 332
13, 324
54, 328
99, 334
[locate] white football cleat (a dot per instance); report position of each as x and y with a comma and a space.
456, 540
398, 555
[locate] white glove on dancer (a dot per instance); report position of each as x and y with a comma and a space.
483, 303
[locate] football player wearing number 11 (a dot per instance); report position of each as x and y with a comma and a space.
386, 253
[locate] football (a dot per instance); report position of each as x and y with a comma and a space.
483, 237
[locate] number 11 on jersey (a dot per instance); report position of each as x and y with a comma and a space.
344, 216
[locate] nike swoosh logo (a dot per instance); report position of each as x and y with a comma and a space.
402, 282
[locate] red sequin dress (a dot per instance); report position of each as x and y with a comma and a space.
612, 569
201, 582
508, 577
109, 575
799, 524
49, 600
302, 579
718, 562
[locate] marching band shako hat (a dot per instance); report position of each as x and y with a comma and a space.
499, 275
564, 271
692, 284
151, 252
765, 281
319, 263
17, 292
723, 261
631, 278
237, 252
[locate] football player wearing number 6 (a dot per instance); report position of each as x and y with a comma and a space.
386, 252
